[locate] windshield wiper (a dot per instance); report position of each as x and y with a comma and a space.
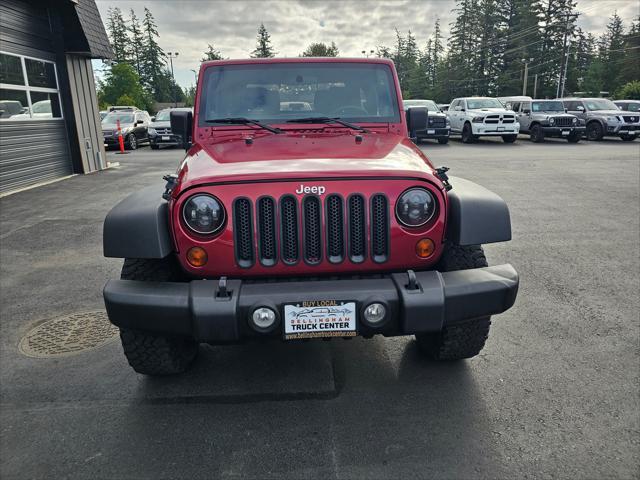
328, 120
244, 121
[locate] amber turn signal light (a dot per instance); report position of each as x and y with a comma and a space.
197, 256
425, 248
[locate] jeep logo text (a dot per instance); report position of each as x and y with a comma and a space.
315, 189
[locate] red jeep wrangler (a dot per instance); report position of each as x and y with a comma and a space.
303, 210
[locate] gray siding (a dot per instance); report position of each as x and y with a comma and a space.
86, 113
32, 152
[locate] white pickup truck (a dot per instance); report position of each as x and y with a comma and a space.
474, 117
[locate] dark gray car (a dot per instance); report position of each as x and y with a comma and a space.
160, 129
547, 118
604, 118
437, 122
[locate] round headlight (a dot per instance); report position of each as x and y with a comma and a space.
203, 214
552, 120
575, 120
415, 207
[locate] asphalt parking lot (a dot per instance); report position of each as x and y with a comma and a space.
555, 394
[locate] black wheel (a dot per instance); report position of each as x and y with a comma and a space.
443, 141
132, 142
462, 340
628, 138
509, 138
594, 131
574, 137
537, 134
467, 134
154, 146
151, 353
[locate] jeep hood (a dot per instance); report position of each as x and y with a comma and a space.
295, 156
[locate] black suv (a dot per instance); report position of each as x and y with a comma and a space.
133, 124
160, 129
437, 122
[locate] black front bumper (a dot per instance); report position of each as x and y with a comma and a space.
438, 132
202, 310
557, 131
172, 140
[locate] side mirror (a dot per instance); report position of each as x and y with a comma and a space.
580, 108
526, 111
139, 122
458, 108
182, 124
416, 120
566, 110
153, 119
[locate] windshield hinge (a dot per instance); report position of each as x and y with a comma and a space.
172, 181
441, 173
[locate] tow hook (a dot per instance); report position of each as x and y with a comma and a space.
172, 181
441, 173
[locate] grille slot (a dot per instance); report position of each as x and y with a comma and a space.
312, 215
631, 119
335, 228
243, 232
289, 227
357, 229
379, 228
267, 244
563, 121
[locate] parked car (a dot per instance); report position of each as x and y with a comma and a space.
133, 124
628, 105
437, 126
11, 108
475, 117
265, 220
160, 129
546, 118
41, 109
603, 118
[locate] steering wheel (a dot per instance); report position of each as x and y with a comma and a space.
350, 110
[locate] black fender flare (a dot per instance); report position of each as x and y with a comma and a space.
476, 215
138, 226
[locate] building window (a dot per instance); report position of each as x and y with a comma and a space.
28, 88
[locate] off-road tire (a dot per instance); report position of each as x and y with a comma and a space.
154, 146
132, 142
628, 138
467, 134
151, 353
465, 339
443, 141
537, 134
574, 137
509, 138
595, 132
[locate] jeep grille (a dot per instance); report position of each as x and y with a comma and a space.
312, 229
563, 121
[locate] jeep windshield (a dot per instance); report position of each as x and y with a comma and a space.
353, 92
547, 107
600, 104
477, 103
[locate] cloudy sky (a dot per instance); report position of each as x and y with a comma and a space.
188, 26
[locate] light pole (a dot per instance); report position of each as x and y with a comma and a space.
173, 87
367, 54
526, 74
195, 75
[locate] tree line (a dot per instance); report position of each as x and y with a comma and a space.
490, 42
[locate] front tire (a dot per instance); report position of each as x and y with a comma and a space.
467, 134
132, 142
628, 138
537, 134
509, 138
574, 137
443, 141
154, 146
595, 132
151, 353
461, 340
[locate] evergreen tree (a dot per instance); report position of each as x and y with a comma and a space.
263, 49
153, 57
615, 52
117, 30
136, 45
211, 54
321, 50
630, 69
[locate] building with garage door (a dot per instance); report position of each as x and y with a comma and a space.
49, 118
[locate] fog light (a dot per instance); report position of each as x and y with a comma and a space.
263, 318
197, 256
425, 248
375, 314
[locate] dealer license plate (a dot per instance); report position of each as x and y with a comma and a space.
430, 132
565, 132
319, 318
165, 138
501, 129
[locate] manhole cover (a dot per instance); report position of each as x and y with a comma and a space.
68, 335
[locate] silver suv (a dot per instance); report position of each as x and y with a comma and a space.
604, 118
546, 118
